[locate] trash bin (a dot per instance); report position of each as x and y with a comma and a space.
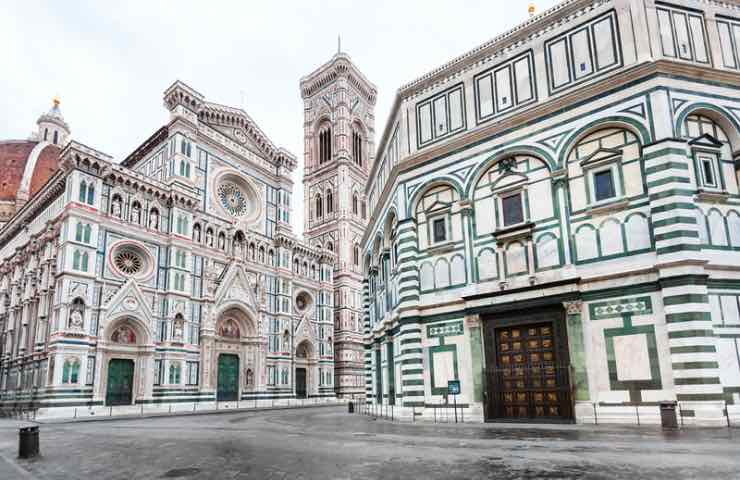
668, 417
350, 407
28, 442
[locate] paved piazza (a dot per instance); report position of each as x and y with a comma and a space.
328, 443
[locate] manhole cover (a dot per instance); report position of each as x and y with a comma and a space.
180, 472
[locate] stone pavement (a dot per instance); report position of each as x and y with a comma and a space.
328, 443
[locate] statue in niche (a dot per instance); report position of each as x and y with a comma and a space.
177, 331
250, 377
209, 237
154, 220
75, 320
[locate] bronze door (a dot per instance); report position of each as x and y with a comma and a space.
527, 368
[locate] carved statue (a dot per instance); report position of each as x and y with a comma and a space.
75, 320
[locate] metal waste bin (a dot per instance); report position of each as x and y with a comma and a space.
28, 442
351, 407
668, 417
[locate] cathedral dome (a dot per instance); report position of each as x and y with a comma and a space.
26, 165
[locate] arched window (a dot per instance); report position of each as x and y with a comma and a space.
46, 134
184, 168
84, 261
174, 373
355, 205
319, 207
325, 146
83, 191
330, 246
70, 371
357, 147
329, 202
356, 255
78, 232
91, 194
76, 260
56, 137
262, 254
364, 210
87, 232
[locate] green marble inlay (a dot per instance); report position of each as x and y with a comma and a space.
633, 386
617, 308
476, 356
577, 351
447, 329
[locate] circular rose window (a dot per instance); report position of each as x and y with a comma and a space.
232, 198
130, 260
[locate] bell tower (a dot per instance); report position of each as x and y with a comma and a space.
339, 150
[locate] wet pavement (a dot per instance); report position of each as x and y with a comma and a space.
327, 443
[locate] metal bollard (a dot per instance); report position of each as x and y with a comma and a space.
28, 442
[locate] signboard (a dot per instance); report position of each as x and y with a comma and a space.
453, 387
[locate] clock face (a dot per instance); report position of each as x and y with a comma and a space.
232, 198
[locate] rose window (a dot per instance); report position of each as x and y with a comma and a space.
129, 262
232, 198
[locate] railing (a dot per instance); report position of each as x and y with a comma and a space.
141, 409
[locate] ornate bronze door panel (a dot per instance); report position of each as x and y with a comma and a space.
527, 365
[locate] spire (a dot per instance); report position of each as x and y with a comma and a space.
339, 44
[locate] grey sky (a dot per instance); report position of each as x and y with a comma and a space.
111, 61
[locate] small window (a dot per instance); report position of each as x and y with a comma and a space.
708, 176
511, 207
439, 230
604, 185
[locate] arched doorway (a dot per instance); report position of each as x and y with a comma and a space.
303, 355
122, 352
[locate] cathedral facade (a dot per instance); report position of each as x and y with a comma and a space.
171, 276
555, 222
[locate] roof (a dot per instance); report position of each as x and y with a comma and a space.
14, 155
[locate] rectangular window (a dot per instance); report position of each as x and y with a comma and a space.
604, 185
682, 35
522, 72
559, 63
707, 171
503, 89
440, 116
439, 227
512, 208
729, 39
589, 50
485, 96
581, 53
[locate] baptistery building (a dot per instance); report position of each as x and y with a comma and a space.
172, 275
555, 222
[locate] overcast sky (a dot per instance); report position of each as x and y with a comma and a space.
110, 61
